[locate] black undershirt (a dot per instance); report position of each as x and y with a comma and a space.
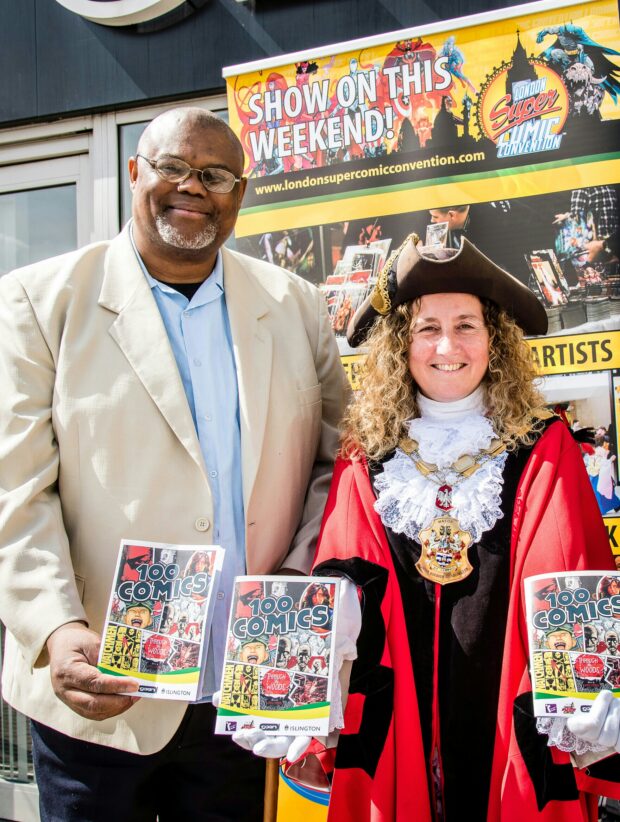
186, 289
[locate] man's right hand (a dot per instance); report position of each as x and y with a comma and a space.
594, 249
73, 652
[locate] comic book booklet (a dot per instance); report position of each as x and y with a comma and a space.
573, 624
158, 621
278, 668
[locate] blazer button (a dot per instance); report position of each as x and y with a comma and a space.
202, 524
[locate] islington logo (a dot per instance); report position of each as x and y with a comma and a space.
523, 111
120, 12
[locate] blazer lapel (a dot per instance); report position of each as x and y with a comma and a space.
140, 333
252, 343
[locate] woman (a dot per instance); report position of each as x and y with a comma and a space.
608, 587
454, 484
604, 480
315, 594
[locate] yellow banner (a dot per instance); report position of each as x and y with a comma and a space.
383, 96
565, 354
504, 129
353, 364
616, 403
568, 354
613, 531
366, 204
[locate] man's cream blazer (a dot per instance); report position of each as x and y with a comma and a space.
97, 443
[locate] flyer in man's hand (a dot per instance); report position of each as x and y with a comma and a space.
158, 621
279, 667
573, 622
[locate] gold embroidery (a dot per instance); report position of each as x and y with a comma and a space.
380, 298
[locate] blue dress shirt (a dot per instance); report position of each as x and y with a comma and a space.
199, 333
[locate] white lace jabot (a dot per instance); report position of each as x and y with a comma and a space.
444, 432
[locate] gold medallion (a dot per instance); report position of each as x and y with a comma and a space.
444, 551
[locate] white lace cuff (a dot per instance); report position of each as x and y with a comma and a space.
560, 737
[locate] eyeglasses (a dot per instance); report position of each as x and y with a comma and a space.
218, 180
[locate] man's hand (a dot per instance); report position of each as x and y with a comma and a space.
594, 249
73, 651
560, 218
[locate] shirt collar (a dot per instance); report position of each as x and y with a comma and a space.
472, 405
211, 289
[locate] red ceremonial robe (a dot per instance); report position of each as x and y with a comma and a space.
556, 527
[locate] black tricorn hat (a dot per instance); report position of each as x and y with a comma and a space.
409, 273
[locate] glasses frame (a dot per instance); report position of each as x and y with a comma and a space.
199, 171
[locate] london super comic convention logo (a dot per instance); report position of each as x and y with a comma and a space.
523, 108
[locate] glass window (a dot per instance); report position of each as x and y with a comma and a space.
15, 742
128, 136
36, 224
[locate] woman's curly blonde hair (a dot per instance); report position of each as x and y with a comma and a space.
375, 421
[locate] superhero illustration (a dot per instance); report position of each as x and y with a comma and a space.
121, 648
455, 62
584, 64
135, 555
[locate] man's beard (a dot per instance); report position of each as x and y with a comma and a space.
172, 236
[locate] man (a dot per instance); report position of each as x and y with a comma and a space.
155, 387
601, 202
283, 654
303, 657
477, 223
490, 227
560, 639
178, 629
253, 650
136, 555
457, 218
605, 250
168, 619
138, 614
591, 640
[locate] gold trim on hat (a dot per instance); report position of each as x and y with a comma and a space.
379, 298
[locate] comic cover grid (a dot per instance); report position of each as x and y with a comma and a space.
153, 635
353, 278
574, 633
544, 239
282, 664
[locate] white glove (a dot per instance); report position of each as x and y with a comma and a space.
347, 630
272, 747
601, 725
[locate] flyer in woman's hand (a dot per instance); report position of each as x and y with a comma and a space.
158, 621
573, 629
279, 661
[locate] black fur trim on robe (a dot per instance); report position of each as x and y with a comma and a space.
375, 682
